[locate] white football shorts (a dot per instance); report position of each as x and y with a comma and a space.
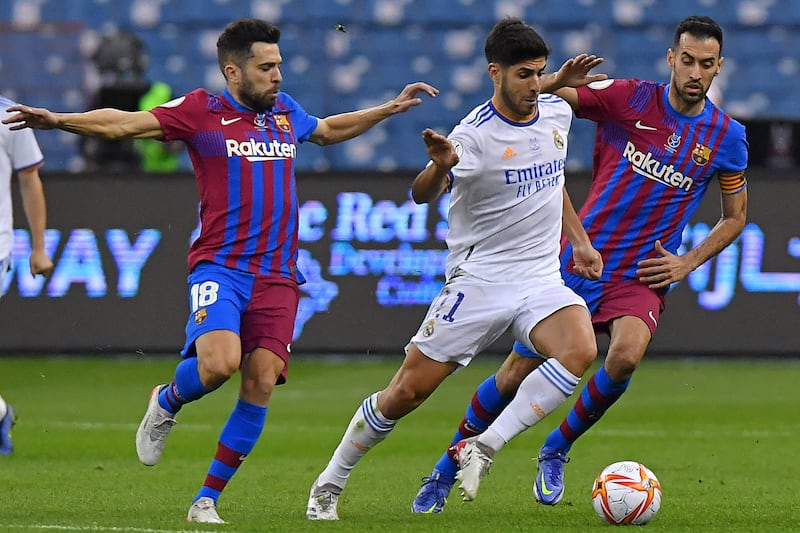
469, 314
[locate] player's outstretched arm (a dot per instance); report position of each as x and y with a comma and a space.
337, 128
573, 73
107, 123
432, 181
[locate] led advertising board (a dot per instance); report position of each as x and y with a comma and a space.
373, 260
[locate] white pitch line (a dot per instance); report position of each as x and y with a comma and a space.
112, 426
699, 433
121, 529
608, 431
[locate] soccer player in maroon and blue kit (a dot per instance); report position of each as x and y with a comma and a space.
243, 281
657, 149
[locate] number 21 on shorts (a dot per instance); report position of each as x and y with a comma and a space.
448, 302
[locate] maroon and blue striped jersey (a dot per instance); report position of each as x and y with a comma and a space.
244, 165
651, 167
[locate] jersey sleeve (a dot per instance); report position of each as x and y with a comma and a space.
23, 150
733, 160
303, 123
603, 100
176, 115
736, 149
468, 149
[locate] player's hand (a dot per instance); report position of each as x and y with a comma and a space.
30, 117
588, 262
440, 149
575, 71
661, 272
408, 96
40, 263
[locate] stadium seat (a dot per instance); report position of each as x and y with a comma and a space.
388, 43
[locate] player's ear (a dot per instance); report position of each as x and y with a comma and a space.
719, 65
231, 73
670, 58
494, 73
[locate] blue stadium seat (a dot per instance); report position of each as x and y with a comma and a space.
783, 104
214, 12
329, 13
568, 14
452, 14
59, 11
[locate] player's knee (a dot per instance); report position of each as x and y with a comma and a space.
621, 363
578, 357
586, 354
399, 399
216, 368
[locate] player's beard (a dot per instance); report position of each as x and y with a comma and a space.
516, 104
256, 101
690, 98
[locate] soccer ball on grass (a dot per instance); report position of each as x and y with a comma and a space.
626, 492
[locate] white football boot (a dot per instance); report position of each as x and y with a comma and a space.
204, 511
153, 431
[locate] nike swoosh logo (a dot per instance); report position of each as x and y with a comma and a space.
640, 126
653, 318
545, 490
226, 121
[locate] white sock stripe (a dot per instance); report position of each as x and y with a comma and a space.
373, 417
559, 376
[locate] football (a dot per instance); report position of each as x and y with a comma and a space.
626, 492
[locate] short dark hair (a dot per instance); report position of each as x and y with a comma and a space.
236, 41
511, 41
700, 27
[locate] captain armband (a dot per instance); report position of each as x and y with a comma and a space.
732, 183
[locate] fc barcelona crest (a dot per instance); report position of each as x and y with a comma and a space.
282, 122
701, 154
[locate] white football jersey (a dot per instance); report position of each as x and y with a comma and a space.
18, 151
507, 193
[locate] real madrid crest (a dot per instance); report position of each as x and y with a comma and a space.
558, 140
427, 330
457, 147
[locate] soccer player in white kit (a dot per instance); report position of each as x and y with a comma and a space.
504, 165
20, 153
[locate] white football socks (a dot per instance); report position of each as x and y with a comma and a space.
539, 394
367, 428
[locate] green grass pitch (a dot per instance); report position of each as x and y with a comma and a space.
722, 436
